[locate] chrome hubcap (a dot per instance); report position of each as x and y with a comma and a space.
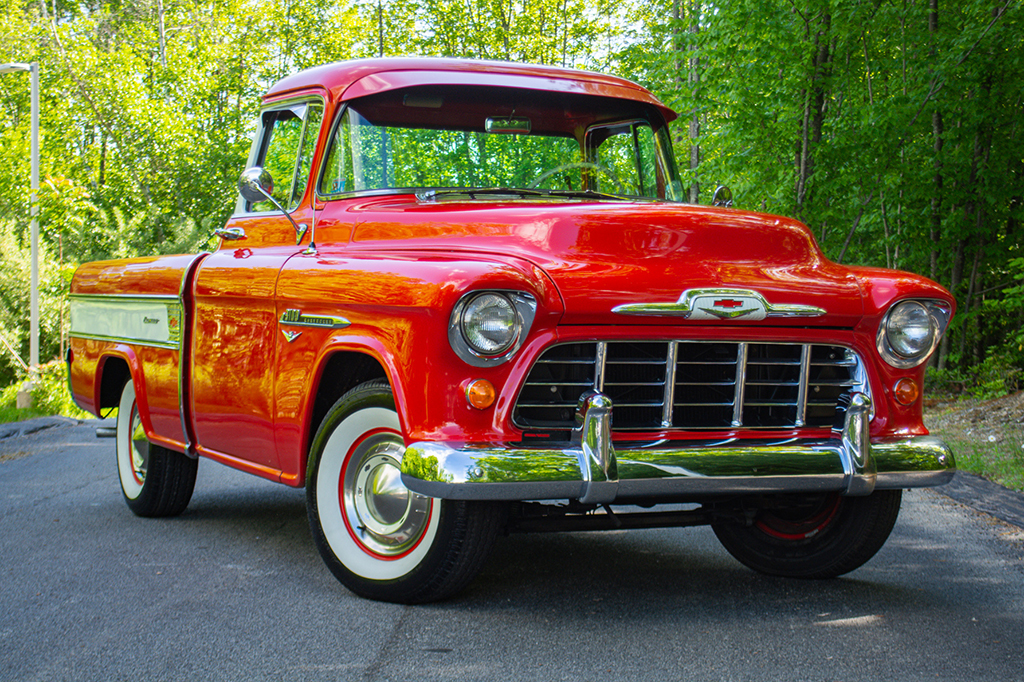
385, 516
140, 447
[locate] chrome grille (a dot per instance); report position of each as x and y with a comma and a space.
691, 384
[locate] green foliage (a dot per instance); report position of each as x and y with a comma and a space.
994, 377
50, 396
15, 278
1009, 313
899, 140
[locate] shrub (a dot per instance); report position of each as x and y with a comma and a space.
50, 396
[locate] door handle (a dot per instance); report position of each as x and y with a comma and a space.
230, 233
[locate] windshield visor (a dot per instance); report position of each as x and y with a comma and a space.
499, 138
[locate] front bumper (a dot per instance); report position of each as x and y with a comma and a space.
592, 471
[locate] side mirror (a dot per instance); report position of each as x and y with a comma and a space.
255, 185
722, 197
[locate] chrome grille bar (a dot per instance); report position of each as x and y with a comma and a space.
672, 357
801, 398
741, 373
600, 360
703, 385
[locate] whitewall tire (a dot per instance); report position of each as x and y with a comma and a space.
155, 481
380, 539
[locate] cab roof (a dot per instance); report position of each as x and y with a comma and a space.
348, 80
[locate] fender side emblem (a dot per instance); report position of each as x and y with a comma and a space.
296, 318
290, 335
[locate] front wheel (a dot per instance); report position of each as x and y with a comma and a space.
379, 539
812, 536
155, 481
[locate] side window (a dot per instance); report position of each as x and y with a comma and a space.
288, 148
628, 158
359, 157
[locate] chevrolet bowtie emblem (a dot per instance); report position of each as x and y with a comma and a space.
720, 304
729, 314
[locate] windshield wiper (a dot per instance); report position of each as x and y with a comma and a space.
431, 195
588, 194
476, 192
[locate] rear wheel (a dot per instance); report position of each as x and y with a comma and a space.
155, 481
813, 536
378, 538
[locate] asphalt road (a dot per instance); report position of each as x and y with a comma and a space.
234, 590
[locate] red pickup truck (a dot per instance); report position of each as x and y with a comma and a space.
462, 298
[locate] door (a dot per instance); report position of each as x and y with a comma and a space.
235, 325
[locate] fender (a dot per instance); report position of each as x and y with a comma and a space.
148, 327
295, 432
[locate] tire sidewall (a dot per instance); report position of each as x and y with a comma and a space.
364, 411
850, 539
132, 488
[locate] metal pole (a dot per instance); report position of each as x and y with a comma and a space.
33, 69
34, 207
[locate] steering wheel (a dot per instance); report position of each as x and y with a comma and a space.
619, 187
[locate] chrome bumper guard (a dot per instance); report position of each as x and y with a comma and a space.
591, 470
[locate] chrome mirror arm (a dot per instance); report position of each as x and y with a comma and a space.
256, 184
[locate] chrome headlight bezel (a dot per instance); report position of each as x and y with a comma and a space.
912, 349
524, 308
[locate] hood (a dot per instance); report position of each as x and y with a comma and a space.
636, 263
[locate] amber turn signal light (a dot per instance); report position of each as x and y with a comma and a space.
906, 391
480, 394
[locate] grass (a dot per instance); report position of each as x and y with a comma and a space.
15, 414
996, 453
986, 435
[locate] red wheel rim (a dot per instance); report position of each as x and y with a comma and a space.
348, 517
803, 528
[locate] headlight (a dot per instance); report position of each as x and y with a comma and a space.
488, 327
489, 324
910, 331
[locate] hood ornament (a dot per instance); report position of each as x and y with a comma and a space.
720, 304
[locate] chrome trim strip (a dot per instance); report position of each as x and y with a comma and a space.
592, 470
689, 303
146, 320
185, 358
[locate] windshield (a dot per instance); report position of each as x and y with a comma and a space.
502, 140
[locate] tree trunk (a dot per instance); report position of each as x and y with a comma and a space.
956, 276
936, 203
163, 32
695, 120
814, 110
380, 28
